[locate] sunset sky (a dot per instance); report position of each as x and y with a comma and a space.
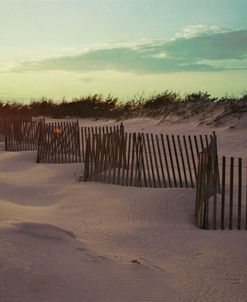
70, 48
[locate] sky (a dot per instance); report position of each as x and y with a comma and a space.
71, 48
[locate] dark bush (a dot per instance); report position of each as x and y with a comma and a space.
96, 106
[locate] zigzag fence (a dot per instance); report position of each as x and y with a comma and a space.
59, 142
143, 159
221, 197
113, 156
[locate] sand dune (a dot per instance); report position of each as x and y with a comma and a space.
62, 240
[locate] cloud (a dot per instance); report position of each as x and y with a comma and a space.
197, 48
196, 30
217, 46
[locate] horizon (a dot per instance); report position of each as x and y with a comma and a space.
67, 49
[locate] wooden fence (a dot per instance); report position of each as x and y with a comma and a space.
207, 183
143, 159
232, 204
25, 134
221, 198
4, 121
86, 132
21, 135
2, 129
59, 142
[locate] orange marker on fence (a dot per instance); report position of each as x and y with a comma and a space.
57, 131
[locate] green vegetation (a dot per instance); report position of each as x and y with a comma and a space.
97, 106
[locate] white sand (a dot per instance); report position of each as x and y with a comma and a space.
64, 240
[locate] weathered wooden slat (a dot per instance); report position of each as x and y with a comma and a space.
188, 161
78, 143
239, 192
146, 160
138, 182
133, 153
196, 144
182, 160
199, 199
160, 161
108, 157
106, 154
199, 206
166, 160
123, 157
201, 141
171, 160
245, 196
216, 161
215, 201
223, 190
97, 156
87, 160
101, 138
156, 161
151, 160
231, 192
177, 161
120, 158
110, 154
206, 172
116, 144
128, 158
206, 140
143, 167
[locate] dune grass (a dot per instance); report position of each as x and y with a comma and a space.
97, 106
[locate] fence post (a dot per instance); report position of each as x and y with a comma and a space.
231, 192
223, 189
87, 159
239, 191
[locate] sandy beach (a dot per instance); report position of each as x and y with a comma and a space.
68, 241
